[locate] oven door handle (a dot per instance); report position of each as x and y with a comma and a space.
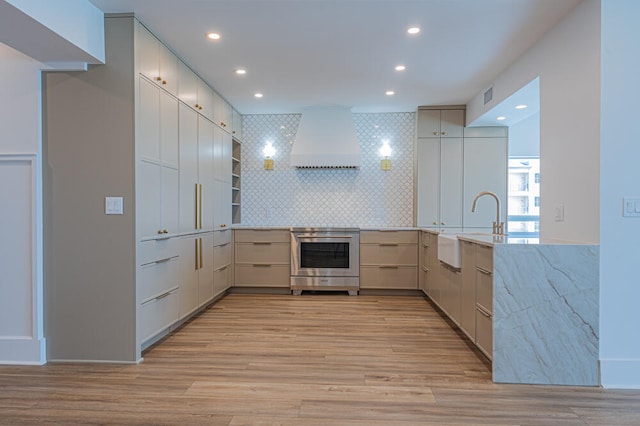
308, 237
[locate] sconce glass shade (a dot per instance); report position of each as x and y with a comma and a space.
269, 151
385, 149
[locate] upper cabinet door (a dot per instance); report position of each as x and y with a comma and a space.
149, 122
428, 123
169, 130
168, 70
187, 85
148, 53
205, 99
451, 123
237, 125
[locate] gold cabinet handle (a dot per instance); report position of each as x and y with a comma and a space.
434, 223
388, 245
436, 133
197, 254
160, 231
442, 223
262, 265
200, 205
158, 78
201, 262
444, 133
388, 267
164, 81
197, 206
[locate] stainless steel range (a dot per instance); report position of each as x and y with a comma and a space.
325, 259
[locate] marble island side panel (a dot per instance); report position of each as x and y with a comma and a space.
545, 314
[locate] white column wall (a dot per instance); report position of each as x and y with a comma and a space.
21, 324
619, 177
567, 60
76, 31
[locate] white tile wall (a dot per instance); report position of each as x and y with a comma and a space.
365, 197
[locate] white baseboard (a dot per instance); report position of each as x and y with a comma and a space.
22, 351
620, 373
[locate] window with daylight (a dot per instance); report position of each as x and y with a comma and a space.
524, 197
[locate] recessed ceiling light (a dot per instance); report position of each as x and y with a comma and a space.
213, 36
400, 68
389, 93
413, 30
502, 117
521, 106
258, 95
241, 71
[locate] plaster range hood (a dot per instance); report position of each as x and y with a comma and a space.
326, 139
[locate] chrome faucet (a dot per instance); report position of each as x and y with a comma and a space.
498, 227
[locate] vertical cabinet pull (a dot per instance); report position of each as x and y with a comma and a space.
197, 205
197, 254
201, 262
200, 203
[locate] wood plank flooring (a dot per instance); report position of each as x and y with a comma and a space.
316, 359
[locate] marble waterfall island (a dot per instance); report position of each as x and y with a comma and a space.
546, 313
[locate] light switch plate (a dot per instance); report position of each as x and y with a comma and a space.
630, 207
113, 205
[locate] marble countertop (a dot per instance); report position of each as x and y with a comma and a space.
478, 236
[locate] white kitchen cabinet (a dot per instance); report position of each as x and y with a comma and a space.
194, 92
156, 61
196, 272
222, 155
222, 175
196, 172
455, 163
439, 182
485, 169
223, 113
436, 123
236, 129
157, 170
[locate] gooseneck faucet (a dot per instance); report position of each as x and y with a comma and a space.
498, 227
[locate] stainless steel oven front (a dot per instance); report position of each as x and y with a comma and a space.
325, 259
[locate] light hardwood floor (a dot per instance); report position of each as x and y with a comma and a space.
320, 359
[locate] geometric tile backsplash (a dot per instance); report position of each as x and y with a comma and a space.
364, 197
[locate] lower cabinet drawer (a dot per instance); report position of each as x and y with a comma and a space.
152, 250
157, 278
249, 275
392, 253
221, 256
263, 252
157, 314
393, 278
484, 289
484, 332
221, 280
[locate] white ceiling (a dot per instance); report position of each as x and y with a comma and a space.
302, 53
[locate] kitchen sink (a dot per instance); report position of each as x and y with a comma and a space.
449, 250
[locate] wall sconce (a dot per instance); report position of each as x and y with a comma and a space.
385, 153
269, 151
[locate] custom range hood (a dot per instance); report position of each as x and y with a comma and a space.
326, 139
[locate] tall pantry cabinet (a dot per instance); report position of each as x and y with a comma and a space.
139, 130
454, 163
